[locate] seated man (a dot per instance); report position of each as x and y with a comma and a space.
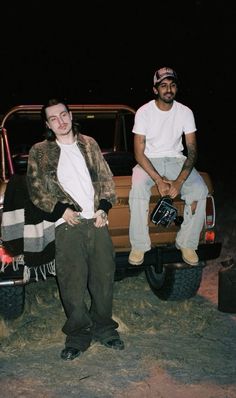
158, 131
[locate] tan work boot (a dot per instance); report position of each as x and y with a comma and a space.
136, 257
189, 255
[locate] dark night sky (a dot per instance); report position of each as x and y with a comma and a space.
106, 51
113, 48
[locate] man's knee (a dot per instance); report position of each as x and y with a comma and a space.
199, 191
140, 190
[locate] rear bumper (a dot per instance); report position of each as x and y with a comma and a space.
160, 255
157, 256
11, 277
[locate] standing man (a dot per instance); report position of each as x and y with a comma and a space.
69, 180
158, 130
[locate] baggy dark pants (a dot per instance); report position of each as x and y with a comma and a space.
85, 260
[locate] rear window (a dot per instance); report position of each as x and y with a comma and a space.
112, 131
110, 126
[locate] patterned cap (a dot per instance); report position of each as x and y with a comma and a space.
164, 73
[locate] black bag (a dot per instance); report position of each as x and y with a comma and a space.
227, 287
164, 212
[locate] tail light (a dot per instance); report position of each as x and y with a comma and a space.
210, 220
210, 236
5, 257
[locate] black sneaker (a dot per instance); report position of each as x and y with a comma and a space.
115, 343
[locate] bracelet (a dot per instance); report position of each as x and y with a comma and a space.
104, 215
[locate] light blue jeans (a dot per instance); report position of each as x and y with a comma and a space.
193, 189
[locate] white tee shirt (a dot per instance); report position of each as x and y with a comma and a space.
164, 129
75, 179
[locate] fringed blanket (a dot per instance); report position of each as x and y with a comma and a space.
26, 235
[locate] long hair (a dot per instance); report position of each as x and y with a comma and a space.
49, 134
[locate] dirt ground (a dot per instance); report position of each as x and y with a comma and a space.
172, 349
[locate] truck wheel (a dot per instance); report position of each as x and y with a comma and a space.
175, 284
12, 301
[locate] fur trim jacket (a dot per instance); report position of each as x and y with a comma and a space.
44, 188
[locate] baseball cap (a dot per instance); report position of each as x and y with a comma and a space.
163, 73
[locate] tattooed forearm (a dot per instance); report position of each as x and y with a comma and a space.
189, 163
191, 159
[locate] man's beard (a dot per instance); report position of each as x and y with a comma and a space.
66, 132
168, 100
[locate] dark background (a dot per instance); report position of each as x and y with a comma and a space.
107, 52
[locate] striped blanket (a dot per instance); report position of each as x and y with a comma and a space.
26, 235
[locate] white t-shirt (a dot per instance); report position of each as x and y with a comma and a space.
75, 179
164, 129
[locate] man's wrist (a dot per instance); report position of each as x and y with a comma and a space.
104, 205
181, 180
157, 180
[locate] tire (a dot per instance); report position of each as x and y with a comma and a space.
175, 284
12, 301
